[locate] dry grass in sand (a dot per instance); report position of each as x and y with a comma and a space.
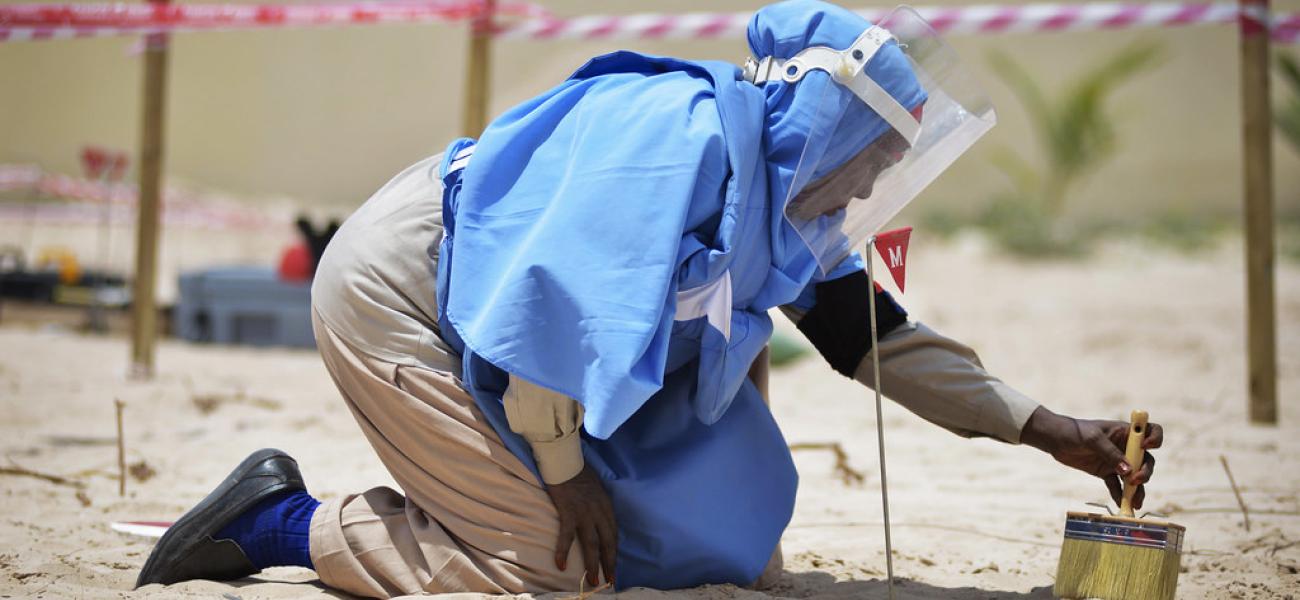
972, 518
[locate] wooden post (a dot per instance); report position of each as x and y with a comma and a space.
144, 312
1257, 124
478, 71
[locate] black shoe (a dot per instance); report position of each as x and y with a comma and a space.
188, 550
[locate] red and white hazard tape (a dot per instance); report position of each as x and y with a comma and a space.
19, 177
980, 19
60, 21
67, 200
19, 22
176, 215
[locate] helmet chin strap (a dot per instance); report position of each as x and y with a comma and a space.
846, 67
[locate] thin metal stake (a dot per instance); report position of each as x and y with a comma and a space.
880, 423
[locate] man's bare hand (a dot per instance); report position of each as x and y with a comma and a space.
1095, 447
587, 515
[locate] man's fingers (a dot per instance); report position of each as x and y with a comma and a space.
608, 532
1108, 447
1155, 436
1116, 489
563, 543
1143, 474
1139, 496
590, 541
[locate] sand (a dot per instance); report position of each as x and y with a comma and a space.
973, 519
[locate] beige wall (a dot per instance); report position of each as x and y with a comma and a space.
327, 115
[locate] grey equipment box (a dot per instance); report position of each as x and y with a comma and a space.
243, 305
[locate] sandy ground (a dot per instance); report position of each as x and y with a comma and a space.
972, 519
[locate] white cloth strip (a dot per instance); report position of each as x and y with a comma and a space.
461, 159
886, 106
712, 300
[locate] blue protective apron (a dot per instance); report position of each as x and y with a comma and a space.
701, 491
620, 239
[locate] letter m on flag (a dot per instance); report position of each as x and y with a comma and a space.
892, 246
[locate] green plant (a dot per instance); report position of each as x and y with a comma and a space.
1074, 135
1288, 238
943, 223
785, 350
1288, 115
1184, 232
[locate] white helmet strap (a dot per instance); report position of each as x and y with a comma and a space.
847, 68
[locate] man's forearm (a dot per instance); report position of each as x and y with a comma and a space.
943, 381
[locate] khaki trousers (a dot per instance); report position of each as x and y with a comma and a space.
473, 517
470, 516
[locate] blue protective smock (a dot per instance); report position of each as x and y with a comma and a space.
588, 217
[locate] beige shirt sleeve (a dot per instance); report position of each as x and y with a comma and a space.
943, 382
549, 421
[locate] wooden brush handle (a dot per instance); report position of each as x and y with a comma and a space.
1137, 431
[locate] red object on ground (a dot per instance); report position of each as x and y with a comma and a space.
295, 263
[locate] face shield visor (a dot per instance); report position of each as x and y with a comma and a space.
892, 112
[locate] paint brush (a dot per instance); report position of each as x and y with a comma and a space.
1120, 557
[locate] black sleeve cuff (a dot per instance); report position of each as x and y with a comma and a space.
839, 324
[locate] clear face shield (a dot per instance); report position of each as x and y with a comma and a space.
858, 170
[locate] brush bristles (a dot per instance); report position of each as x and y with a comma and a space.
1095, 569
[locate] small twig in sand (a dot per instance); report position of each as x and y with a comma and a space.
1282, 546
55, 479
848, 475
584, 595
1273, 541
121, 450
209, 403
79, 440
1245, 514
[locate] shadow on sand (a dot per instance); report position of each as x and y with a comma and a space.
301, 586
820, 585
805, 585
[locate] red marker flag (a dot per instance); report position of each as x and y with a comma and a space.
93, 161
892, 246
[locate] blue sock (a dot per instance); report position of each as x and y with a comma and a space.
273, 533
